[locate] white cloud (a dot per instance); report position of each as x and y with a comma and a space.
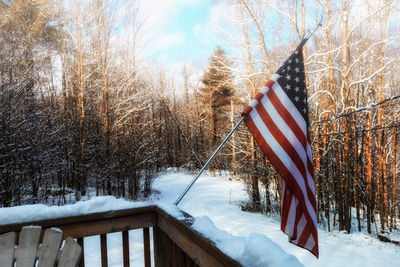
161, 11
221, 20
169, 39
213, 31
222, 12
189, 1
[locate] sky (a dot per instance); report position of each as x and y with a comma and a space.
184, 33
184, 28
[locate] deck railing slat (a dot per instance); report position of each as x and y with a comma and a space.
146, 245
179, 256
125, 247
82, 244
189, 262
103, 248
156, 248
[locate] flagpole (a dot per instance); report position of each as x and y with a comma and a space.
310, 33
209, 161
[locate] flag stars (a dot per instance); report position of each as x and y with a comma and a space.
292, 82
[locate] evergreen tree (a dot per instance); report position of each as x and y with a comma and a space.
217, 94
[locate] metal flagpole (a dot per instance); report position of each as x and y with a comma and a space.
310, 33
209, 161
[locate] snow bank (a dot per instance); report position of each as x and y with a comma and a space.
26, 213
252, 250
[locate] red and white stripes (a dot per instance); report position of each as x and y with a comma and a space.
281, 131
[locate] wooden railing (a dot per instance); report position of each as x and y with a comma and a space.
175, 242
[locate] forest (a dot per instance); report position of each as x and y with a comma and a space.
82, 110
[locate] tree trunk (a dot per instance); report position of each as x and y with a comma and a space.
356, 181
394, 152
368, 123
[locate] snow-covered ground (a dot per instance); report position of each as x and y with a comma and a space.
253, 239
210, 196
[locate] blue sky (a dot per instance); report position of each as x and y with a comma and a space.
190, 20
183, 34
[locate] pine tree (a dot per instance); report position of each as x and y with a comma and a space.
217, 93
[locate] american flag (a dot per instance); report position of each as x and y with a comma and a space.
278, 120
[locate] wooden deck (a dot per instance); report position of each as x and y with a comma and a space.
175, 242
